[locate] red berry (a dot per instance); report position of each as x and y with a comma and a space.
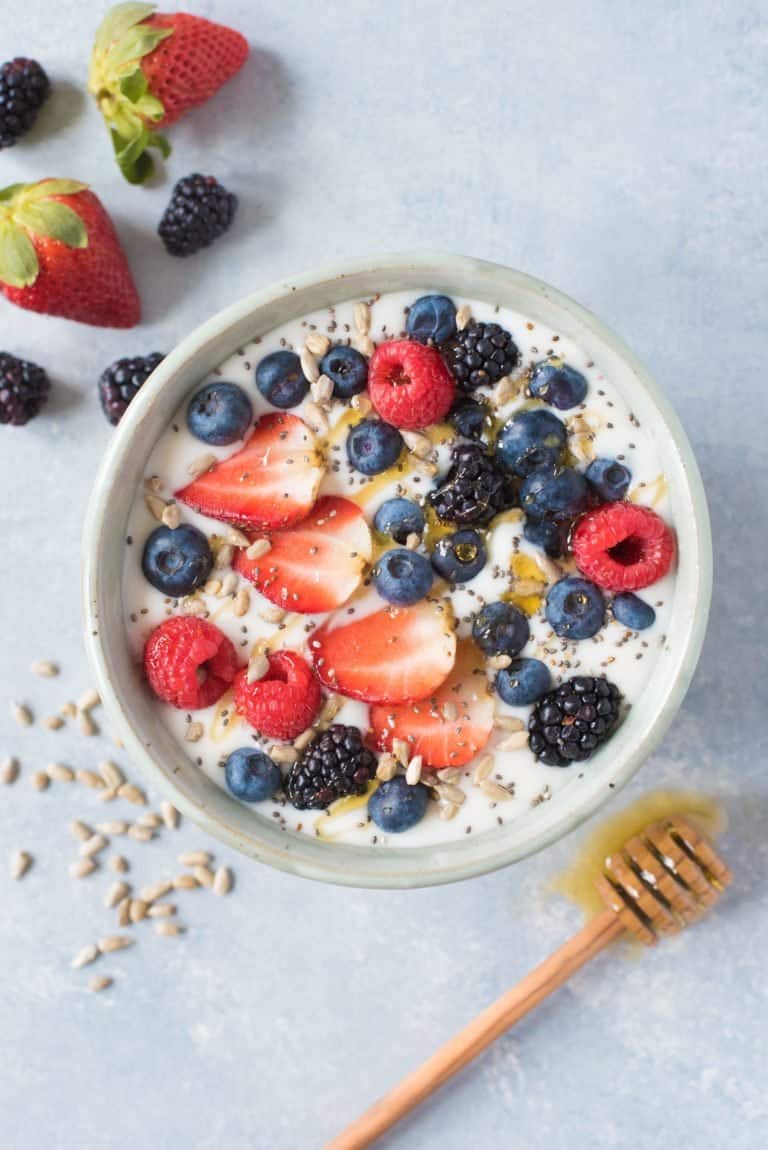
623, 547
285, 702
189, 662
409, 384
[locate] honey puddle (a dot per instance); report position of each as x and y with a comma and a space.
577, 883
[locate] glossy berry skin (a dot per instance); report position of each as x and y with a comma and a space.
531, 440
474, 490
219, 413
396, 807
120, 383
561, 386
524, 681
176, 560
335, 764
555, 492
24, 88
347, 369
24, 389
575, 608
569, 723
623, 546
409, 384
399, 518
200, 210
480, 355
633, 612
471, 419
373, 446
284, 702
431, 319
251, 775
459, 557
402, 577
500, 629
280, 379
189, 663
551, 535
609, 478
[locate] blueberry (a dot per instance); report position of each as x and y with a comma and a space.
176, 560
347, 369
554, 492
373, 446
251, 775
396, 807
575, 608
431, 319
399, 518
562, 386
471, 419
402, 576
219, 413
458, 558
530, 440
609, 478
523, 681
633, 612
549, 534
500, 629
280, 379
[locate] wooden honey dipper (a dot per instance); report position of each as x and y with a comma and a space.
663, 879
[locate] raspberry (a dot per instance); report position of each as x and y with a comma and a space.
285, 702
189, 662
623, 547
409, 384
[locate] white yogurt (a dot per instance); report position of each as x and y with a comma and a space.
627, 659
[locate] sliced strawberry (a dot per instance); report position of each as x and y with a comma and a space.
388, 656
270, 483
316, 565
452, 725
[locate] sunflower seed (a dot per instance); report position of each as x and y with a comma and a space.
317, 344
361, 403
80, 830
108, 795
203, 875
22, 714
417, 443
412, 541
89, 779
114, 942
283, 754
93, 846
482, 769
53, 722
222, 880
162, 910
40, 780
362, 314
401, 751
450, 793
514, 742
498, 662
86, 725
529, 587
413, 772
330, 710
169, 929
118, 863
114, 827
19, 864
46, 668
9, 770
309, 365
185, 882
322, 390
85, 956
212, 587
201, 464
153, 483
506, 389
195, 858
100, 982
155, 505
446, 810
315, 417
124, 912
59, 773
302, 741
132, 794
463, 316
111, 773
137, 911
364, 344
193, 605
68, 711
426, 467
170, 815
495, 791
449, 774
509, 723
82, 868
236, 538
387, 768
88, 700
224, 557
171, 516
140, 834
150, 819
241, 603
156, 890
229, 584
258, 548
193, 732
116, 893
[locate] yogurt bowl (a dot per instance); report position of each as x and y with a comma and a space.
539, 316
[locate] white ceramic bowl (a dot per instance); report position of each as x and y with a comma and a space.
127, 699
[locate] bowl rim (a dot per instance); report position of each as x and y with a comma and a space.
405, 867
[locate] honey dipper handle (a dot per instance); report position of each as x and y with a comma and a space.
480, 1033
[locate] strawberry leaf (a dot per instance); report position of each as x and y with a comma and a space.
118, 21
45, 188
18, 259
11, 192
54, 220
134, 85
137, 42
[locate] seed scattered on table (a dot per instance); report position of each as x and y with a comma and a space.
88, 700
132, 794
195, 858
185, 882
86, 956
118, 863
89, 779
162, 910
169, 929
203, 875
115, 827
40, 780
21, 713
82, 868
137, 911
140, 834
60, 773
114, 942
100, 982
116, 893
111, 773
170, 815
80, 830
156, 890
53, 722
93, 846
19, 864
9, 770
45, 668
222, 880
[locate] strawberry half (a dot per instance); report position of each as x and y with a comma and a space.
148, 69
60, 255
390, 656
317, 564
270, 483
430, 728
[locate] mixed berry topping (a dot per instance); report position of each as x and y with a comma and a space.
335, 764
432, 319
176, 560
284, 702
189, 663
219, 414
397, 806
475, 489
251, 775
409, 384
373, 446
570, 722
480, 355
623, 546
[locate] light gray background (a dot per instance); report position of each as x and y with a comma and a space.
618, 151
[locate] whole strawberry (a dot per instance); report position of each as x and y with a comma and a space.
148, 68
60, 255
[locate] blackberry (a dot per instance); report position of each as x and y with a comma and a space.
571, 722
480, 354
474, 490
120, 382
24, 389
24, 88
200, 210
334, 764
